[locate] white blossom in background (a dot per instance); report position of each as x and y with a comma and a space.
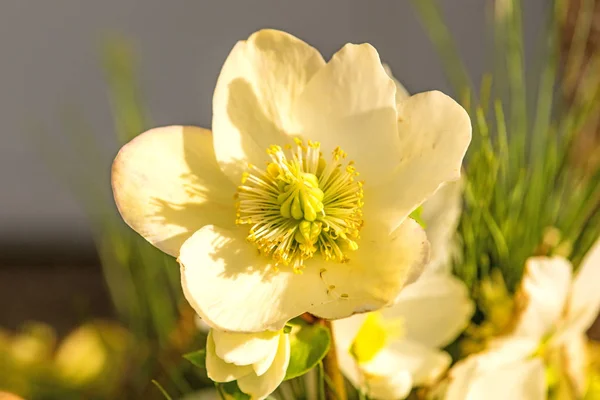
440, 213
258, 361
299, 199
547, 349
388, 352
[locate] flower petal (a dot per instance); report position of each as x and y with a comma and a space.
167, 185
376, 272
434, 133
401, 92
232, 287
435, 309
584, 303
245, 348
217, 369
255, 91
441, 213
545, 287
385, 377
576, 362
425, 364
259, 387
262, 366
504, 372
351, 103
521, 381
346, 329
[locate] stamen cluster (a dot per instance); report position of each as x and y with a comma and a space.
302, 205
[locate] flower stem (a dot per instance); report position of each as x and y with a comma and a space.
335, 389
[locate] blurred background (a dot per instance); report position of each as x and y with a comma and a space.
78, 79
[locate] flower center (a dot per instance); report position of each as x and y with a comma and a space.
374, 334
302, 205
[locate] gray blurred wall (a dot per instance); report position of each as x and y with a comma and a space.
49, 59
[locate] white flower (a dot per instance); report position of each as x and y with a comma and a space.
258, 361
440, 213
550, 334
505, 371
303, 234
389, 351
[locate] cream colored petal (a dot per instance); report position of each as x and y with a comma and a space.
232, 287
376, 272
545, 288
584, 303
434, 133
346, 361
217, 369
385, 377
575, 361
346, 329
245, 348
254, 95
262, 366
523, 380
259, 387
401, 92
200, 324
167, 185
425, 364
434, 310
351, 103
441, 213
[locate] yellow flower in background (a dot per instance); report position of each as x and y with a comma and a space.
299, 199
94, 356
388, 352
258, 361
548, 348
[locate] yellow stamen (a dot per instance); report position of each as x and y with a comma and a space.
302, 205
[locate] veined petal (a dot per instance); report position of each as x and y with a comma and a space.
254, 95
425, 364
584, 302
259, 387
545, 288
376, 272
435, 309
441, 213
167, 185
217, 369
232, 287
245, 348
434, 133
351, 103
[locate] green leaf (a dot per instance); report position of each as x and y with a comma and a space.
231, 391
198, 358
309, 344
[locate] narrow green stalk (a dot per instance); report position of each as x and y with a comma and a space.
336, 389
